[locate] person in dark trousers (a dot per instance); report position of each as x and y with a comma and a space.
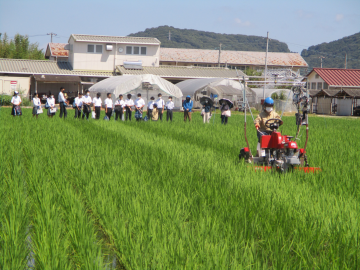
119, 107
108, 105
86, 105
150, 107
160, 106
78, 105
187, 104
225, 111
16, 101
169, 109
62, 102
97, 105
139, 105
128, 104
207, 112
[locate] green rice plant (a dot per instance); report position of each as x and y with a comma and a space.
173, 195
14, 205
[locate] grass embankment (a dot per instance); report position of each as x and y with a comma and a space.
172, 195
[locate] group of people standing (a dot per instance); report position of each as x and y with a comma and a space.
84, 103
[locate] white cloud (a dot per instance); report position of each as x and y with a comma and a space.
241, 23
339, 17
304, 15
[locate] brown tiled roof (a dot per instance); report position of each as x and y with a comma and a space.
25, 66
231, 57
114, 39
58, 49
182, 72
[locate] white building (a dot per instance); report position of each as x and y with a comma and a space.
104, 53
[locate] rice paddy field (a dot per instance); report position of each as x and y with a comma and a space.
92, 194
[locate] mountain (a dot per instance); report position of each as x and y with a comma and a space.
194, 39
334, 53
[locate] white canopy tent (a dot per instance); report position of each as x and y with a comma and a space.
147, 84
223, 87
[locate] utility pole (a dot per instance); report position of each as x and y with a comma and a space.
219, 56
267, 48
169, 35
345, 60
52, 34
321, 58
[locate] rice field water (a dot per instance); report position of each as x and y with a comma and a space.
157, 195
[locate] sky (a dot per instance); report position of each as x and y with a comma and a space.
300, 24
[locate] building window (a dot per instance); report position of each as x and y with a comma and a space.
99, 48
313, 85
317, 76
308, 86
91, 48
326, 86
136, 50
319, 85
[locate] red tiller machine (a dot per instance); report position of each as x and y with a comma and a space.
281, 152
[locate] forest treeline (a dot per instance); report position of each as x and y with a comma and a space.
19, 48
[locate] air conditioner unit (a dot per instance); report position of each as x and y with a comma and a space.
109, 47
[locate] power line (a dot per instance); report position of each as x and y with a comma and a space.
52, 34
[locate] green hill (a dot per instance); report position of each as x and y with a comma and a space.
194, 39
334, 53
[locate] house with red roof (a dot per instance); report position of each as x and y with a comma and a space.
57, 51
334, 90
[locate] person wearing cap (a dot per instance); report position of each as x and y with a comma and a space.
150, 107
139, 105
78, 105
86, 101
128, 104
97, 105
16, 101
62, 102
169, 109
160, 105
188, 105
50, 104
36, 105
266, 114
108, 105
119, 107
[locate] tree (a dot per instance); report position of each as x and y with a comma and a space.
19, 48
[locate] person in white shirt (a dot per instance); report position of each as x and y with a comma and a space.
139, 105
86, 102
50, 103
169, 109
97, 105
16, 101
128, 104
62, 102
160, 106
150, 107
119, 107
108, 105
78, 105
36, 105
